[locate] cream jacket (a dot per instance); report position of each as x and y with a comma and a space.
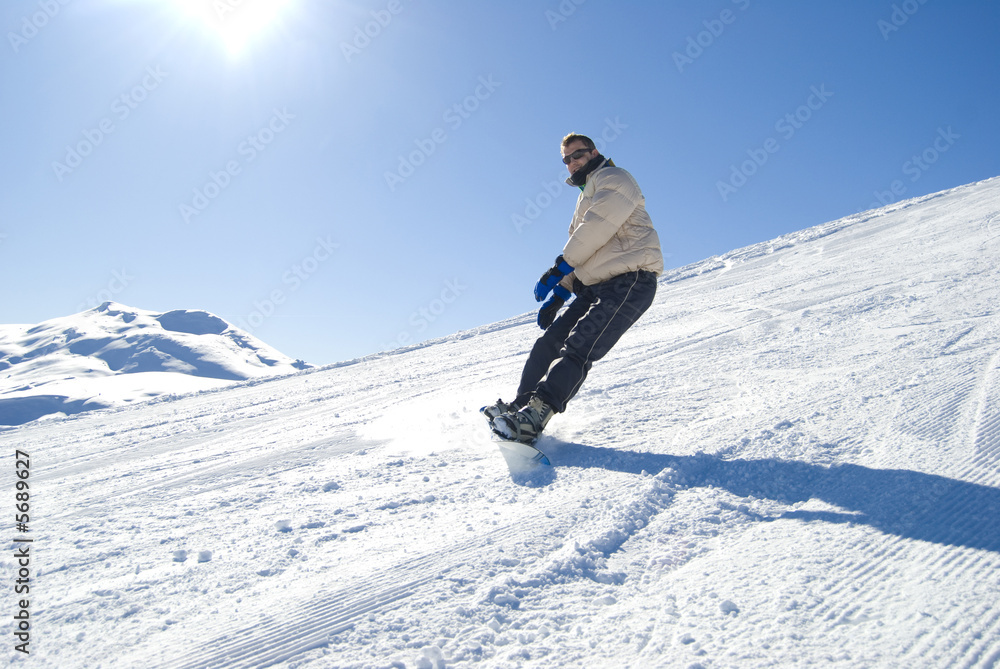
611, 233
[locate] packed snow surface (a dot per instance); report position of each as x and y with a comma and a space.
114, 354
792, 460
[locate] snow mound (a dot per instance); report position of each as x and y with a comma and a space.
114, 354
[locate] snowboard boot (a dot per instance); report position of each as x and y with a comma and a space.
499, 408
524, 425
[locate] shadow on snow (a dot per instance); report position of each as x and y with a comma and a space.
905, 503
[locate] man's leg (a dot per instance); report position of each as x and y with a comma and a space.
547, 348
618, 305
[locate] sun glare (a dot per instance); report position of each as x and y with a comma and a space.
234, 22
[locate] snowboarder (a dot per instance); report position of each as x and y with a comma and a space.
610, 263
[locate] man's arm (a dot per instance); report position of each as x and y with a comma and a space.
615, 199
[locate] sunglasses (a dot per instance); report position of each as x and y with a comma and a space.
576, 155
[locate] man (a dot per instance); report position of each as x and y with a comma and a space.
610, 262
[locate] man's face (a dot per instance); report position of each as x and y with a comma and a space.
579, 155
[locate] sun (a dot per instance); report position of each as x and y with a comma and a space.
234, 22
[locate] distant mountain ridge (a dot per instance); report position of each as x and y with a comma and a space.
114, 354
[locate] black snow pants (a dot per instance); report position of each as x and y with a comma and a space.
589, 327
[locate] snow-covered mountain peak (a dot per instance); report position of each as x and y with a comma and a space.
114, 354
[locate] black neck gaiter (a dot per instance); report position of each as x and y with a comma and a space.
579, 178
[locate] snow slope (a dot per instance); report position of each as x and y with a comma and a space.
113, 355
792, 460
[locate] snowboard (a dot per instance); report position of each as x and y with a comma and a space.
522, 450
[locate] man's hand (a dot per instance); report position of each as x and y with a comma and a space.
551, 278
547, 314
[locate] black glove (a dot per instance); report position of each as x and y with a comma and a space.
551, 278
547, 314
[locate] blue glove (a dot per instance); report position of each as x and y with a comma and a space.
547, 314
551, 278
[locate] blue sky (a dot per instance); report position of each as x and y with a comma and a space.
343, 177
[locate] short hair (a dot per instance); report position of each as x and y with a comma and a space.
574, 137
